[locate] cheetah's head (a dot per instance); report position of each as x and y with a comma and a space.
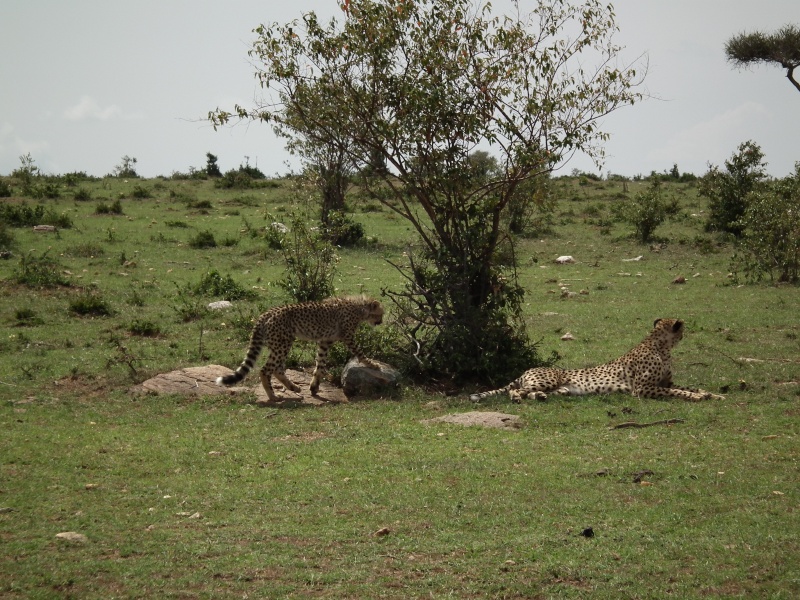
375, 314
671, 329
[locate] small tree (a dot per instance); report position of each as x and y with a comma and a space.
27, 174
727, 191
782, 47
422, 84
212, 168
325, 151
770, 245
126, 168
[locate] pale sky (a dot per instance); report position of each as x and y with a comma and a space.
85, 82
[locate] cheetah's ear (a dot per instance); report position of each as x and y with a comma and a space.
374, 305
677, 326
656, 322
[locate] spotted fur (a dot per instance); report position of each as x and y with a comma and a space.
326, 322
644, 371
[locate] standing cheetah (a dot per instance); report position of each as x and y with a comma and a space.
326, 322
644, 371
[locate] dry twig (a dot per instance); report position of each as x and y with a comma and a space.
640, 425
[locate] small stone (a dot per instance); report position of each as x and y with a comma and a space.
679, 279
279, 227
220, 305
567, 337
71, 536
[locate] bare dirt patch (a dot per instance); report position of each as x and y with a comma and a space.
480, 419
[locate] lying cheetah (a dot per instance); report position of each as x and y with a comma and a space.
644, 371
326, 322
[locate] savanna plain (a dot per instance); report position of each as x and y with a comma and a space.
219, 497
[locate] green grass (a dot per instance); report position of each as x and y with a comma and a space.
218, 498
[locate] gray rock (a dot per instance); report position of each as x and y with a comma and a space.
359, 380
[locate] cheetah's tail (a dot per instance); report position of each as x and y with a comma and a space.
497, 392
241, 372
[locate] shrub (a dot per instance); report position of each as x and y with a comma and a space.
86, 250
7, 240
51, 217
188, 308
27, 317
90, 304
144, 328
82, 194
104, 209
275, 234
200, 204
234, 179
485, 343
252, 172
243, 177
5, 190
203, 239
72, 179
140, 192
342, 230
727, 191
23, 215
310, 264
39, 272
182, 196
770, 244
47, 189
214, 284
647, 210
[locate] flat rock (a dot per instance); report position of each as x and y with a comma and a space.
191, 381
479, 418
201, 381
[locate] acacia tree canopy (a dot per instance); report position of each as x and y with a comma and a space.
424, 82
782, 47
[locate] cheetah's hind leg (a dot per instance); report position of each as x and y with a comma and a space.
266, 383
287, 383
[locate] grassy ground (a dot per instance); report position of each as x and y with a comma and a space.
216, 498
